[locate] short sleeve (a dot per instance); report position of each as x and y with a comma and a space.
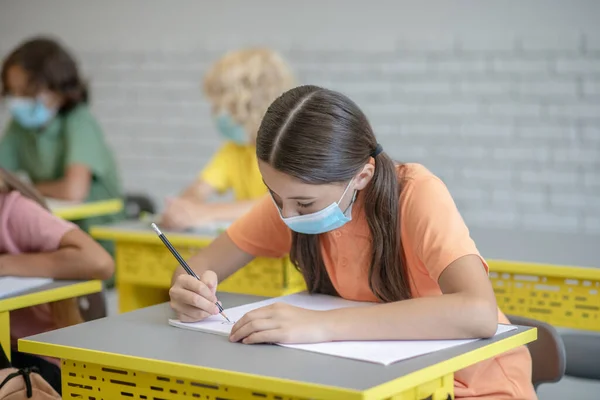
9, 148
34, 229
216, 173
85, 142
433, 225
261, 232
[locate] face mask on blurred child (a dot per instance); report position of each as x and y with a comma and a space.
30, 113
230, 129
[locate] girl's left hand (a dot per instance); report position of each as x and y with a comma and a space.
280, 323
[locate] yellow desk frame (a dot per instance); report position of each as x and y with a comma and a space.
88, 373
563, 296
88, 210
37, 297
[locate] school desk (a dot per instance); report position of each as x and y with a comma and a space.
547, 276
144, 266
76, 210
53, 291
138, 355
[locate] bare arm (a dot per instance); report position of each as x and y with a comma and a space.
74, 186
198, 191
225, 211
191, 209
467, 309
78, 257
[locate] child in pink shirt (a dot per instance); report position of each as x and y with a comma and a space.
35, 243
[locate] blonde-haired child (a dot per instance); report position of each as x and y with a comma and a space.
240, 87
35, 243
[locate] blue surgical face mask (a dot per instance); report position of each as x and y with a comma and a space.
30, 113
230, 129
326, 220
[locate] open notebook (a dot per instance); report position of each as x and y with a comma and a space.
10, 285
380, 352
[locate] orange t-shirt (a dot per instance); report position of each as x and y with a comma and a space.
433, 236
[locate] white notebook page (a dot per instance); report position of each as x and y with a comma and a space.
380, 352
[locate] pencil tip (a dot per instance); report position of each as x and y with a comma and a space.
225, 316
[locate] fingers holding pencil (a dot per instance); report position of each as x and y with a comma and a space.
189, 292
192, 299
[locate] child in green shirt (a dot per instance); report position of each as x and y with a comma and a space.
52, 135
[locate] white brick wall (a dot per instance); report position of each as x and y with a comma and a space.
502, 102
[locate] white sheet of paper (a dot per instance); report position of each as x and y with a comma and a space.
56, 204
11, 285
380, 352
211, 228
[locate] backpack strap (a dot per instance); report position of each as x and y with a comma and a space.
25, 372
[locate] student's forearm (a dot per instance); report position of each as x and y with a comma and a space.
198, 191
225, 211
61, 189
451, 316
65, 263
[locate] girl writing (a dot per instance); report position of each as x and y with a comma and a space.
358, 226
34, 243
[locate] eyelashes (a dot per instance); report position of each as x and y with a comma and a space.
279, 204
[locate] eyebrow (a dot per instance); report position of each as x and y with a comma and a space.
291, 198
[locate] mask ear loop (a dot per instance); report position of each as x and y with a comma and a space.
353, 196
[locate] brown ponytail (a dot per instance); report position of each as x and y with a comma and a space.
64, 312
387, 279
322, 137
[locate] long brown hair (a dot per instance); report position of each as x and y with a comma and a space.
322, 137
64, 312
49, 65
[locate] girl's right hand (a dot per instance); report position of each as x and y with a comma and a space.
194, 300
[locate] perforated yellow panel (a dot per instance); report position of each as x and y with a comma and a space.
153, 265
438, 389
562, 296
96, 382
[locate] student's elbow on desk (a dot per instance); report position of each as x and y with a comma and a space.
104, 266
484, 315
470, 297
97, 261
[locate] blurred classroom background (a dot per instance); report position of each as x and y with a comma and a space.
500, 99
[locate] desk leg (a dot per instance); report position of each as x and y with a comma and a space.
5, 332
133, 297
